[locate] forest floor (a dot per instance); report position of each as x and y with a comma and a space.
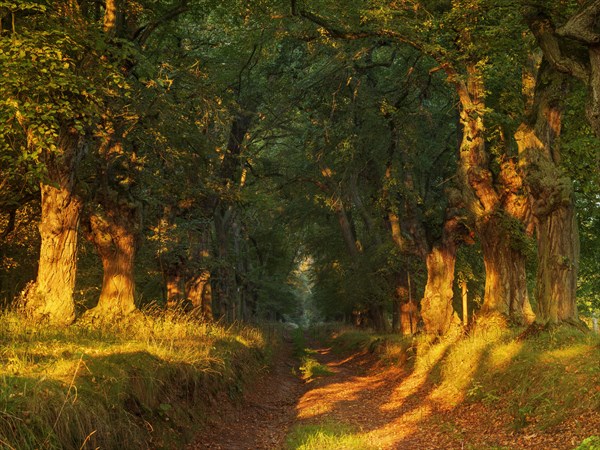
384, 407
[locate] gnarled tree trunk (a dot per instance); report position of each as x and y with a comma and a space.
558, 262
114, 234
199, 292
436, 306
493, 211
50, 297
506, 279
552, 201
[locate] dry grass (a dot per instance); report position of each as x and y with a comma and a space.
144, 381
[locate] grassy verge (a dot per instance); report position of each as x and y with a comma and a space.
147, 383
539, 380
390, 349
326, 436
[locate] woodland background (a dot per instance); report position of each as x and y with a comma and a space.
320, 160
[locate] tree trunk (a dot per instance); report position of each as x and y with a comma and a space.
505, 274
551, 195
224, 307
497, 213
409, 318
50, 297
404, 309
558, 261
465, 302
199, 293
377, 318
225, 295
114, 234
436, 305
174, 290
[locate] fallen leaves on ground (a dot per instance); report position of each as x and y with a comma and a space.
391, 407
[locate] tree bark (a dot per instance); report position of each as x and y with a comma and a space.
400, 298
506, 280
175, 294
436, 306
495, 213
558, 262
377, 318
199, 293
552, 201
114, 234
113, 226
50, 297
198, 289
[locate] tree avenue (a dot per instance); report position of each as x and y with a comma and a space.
295, 160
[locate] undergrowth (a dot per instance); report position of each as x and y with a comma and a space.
539, 380
144, 383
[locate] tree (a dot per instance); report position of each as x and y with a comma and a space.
50, 102
552, 200
445, 33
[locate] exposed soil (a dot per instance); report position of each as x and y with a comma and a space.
267, 411
392, 407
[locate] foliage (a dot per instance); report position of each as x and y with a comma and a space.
582, 161
591, 443
50, 86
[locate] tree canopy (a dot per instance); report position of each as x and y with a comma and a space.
360, 161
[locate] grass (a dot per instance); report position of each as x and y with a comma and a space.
326, 436
309, 367
146, 382
540, 380
390, 349
591, 443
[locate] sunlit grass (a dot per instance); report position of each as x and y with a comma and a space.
591, 443
327, 436
540, 380
122, 382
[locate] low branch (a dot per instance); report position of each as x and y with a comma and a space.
581, 25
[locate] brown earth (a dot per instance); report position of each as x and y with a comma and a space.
267, 411
391, 407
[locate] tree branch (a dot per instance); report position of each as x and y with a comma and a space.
581, 25
143, 33
339, 33
545, 34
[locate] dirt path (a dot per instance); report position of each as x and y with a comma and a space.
390, 408
393, 408
267, 411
